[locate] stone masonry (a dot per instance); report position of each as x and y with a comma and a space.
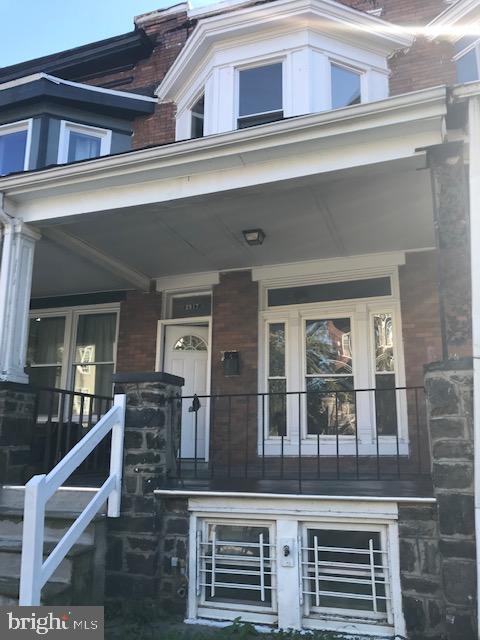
449, 388
135, 540
17, 411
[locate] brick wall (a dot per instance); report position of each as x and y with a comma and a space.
137, 336
425, 64
420, 314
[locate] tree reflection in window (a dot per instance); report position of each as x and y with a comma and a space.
329, 377
190, 343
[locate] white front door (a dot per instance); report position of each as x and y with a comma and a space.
186, 355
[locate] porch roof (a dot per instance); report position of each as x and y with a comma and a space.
342, 183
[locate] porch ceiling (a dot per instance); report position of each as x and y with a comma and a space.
386, 207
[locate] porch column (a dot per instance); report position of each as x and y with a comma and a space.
15, 289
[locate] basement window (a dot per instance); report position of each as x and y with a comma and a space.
236, 566
260, 95
81, 142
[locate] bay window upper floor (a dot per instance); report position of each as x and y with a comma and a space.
276, 61
46, 121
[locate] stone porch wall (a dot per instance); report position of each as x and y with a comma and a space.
17, 412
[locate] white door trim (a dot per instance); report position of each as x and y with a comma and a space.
160, 358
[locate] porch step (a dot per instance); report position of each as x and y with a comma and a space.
54, 593
10, 559
80, 576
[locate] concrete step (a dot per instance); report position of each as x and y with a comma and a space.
53, 593
66, 498
57, 523
10, 559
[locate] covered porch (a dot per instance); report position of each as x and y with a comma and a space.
302, 355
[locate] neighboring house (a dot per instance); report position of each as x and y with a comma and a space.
277, 202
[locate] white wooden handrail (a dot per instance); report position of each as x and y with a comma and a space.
34, 572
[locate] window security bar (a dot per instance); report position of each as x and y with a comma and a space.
212, 566
376, 576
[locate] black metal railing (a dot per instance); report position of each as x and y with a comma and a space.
335, 434
62, 418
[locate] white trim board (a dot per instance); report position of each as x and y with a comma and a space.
294, 496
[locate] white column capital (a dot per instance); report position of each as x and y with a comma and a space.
15, 288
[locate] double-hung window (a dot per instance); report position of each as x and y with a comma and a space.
14, 147
82, 142
467, 59
333, 368
346, 86
260, 92
73, 349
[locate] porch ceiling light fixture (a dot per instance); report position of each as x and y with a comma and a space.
254, 237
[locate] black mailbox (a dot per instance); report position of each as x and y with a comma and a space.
231, 363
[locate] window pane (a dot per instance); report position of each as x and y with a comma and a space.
237, 555
386, 404
45, 340
467, 68
328, 346
383, 327
198, 112
345, 571
82, 146
261, 89
12, 152
370, 288
277, 407
95, 338
94, 378
277, 349
190, 343
345, 87
326, 410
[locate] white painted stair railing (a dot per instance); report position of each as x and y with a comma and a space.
34, 572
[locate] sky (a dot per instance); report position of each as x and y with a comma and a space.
33, 28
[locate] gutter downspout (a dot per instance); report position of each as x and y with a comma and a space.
474, 188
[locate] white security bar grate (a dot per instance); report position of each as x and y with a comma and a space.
224, 566
362, 585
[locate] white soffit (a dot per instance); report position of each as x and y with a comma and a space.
326, 16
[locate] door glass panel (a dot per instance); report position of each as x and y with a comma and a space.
329, 366
190, 343
346, 89
385, 395
277, 382
340, 568
328, 346
238, 557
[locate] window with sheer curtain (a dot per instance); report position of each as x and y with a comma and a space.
74, 349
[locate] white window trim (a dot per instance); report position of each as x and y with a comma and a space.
284, 515
261, 62
15, 127
360, 311
233, 610
72, 315
475, 46
66, 127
